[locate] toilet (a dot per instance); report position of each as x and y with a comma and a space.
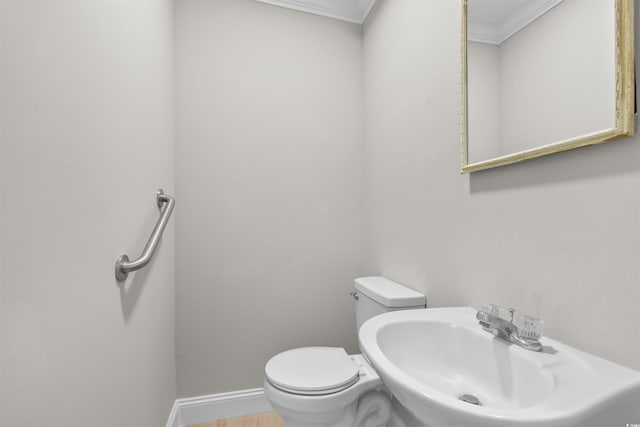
324, 386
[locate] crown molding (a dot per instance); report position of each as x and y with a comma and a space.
355, 11
499, 33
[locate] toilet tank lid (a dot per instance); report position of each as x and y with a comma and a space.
389, 293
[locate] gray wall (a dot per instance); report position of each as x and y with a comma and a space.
558, 237
269, 122
483, 94
86, 137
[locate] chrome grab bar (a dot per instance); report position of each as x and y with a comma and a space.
123, 266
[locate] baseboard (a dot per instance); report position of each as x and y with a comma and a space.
196, 410
173, 416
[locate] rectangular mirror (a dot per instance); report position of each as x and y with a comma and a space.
544, 76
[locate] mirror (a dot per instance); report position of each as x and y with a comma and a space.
544, 76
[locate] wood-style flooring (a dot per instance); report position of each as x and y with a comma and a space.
268, 419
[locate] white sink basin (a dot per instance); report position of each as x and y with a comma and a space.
430, 358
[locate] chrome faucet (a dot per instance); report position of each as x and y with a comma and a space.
526, 335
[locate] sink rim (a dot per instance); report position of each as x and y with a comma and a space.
544, 383
403, 386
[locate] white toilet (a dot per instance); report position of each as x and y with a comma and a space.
324, 386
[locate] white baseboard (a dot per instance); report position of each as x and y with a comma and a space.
196, 410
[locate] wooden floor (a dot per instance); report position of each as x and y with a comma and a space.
269, 419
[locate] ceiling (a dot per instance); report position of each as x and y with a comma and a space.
345, 10
494, 21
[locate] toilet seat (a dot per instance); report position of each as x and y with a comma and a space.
312, 371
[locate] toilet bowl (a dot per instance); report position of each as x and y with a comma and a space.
326, 387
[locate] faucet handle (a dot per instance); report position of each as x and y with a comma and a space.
493, 309
529, 327
498, 311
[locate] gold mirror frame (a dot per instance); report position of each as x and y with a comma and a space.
625, 98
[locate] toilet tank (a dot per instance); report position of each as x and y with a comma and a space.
376, 295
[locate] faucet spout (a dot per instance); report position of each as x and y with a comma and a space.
506, 330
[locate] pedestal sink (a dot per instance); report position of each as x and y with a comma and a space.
448, 372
